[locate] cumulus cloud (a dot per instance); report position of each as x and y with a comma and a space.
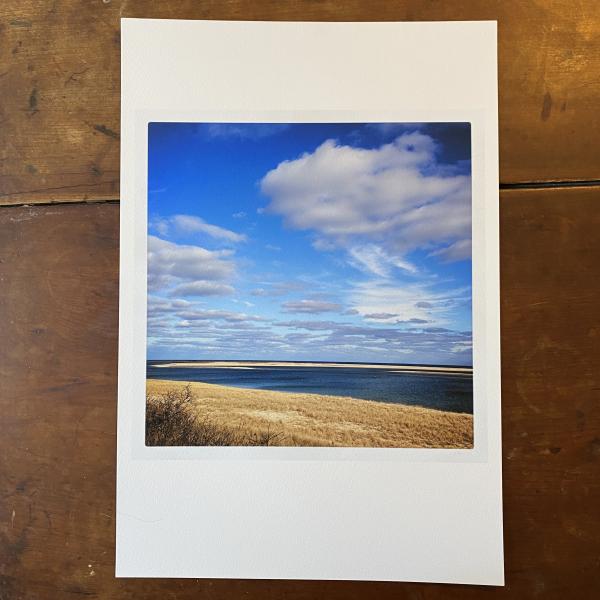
311, 306
192, 224
172, 264
379, 204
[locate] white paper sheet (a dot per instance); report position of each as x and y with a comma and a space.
426, 515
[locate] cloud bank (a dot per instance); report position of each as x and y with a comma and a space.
191, 269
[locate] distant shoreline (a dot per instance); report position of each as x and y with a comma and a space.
224, 364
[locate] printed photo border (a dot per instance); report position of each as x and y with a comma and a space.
479, 255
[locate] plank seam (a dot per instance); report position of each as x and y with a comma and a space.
542, 185
61, 203
526, 185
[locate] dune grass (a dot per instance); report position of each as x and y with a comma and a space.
183, 413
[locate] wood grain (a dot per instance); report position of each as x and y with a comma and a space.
58, 361
59, 83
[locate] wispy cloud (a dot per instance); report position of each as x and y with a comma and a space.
460, 250
406, 303
311, 306
279, 288
191, 224
375, 260
201, 288
218, 315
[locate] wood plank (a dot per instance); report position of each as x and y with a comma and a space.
58, 361
59, 83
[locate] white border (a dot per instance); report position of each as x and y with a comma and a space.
368, 519
478, 209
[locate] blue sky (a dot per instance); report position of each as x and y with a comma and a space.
337, 242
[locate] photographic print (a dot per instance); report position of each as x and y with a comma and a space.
309, 284
309, 339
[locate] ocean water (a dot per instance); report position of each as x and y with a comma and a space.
432, 390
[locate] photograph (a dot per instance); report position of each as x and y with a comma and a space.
309, 284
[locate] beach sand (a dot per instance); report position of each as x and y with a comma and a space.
233, 364
302, 419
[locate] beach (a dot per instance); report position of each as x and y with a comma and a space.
302, 419
232, 364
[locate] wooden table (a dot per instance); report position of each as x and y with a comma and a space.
59, 210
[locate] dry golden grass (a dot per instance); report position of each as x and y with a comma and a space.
317, 420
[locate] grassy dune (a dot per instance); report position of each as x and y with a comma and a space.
235, 416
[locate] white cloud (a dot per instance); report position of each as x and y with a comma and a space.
174, 264
459, 250
411, 303
374, 259
210, 333
259, 292
311, 306
381, 316
201, 288
448, 346
462, 347
396, 198
193, 224
218, 315
323, 245
159, 306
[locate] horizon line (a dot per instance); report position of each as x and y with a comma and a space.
273, 360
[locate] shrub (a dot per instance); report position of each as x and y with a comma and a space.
171, 420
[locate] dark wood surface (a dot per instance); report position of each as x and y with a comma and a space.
59, 83
59, 141
58, 358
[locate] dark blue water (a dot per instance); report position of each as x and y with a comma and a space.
444, 392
